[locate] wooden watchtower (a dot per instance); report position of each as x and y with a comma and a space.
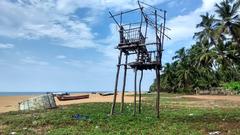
136, 29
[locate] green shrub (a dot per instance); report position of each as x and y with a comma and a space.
234, 86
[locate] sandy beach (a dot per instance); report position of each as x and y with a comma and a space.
10, 103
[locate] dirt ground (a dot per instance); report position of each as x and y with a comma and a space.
210, 101
211, 97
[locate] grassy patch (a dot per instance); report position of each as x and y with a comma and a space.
234, 86
173, 119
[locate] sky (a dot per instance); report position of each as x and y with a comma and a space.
68, 45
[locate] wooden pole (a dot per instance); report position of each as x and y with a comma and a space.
158, 61
163, 32
124, 83
158, 91
140, 95
116, 83
135, 92
135, 84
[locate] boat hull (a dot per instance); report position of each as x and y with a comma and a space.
66, 98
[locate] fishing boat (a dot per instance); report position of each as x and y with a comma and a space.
66, 98
58, 93
106, 94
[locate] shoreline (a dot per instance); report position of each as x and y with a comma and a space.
10, 103
40, 93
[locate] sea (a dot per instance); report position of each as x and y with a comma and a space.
40, 93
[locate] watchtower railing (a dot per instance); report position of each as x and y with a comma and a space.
151, 56
131, 35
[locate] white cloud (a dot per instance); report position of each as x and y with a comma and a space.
6, 46
172, 4
208, 5
61, 57
183, 27
37, 19
33, 61
182, 10
110, 42
57, 20
69, 6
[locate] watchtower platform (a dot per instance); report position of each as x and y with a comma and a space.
134, 41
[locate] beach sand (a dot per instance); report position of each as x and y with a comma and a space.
10, 103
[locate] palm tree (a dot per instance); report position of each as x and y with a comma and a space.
206, 41
202, 59
207, 34
229, 22
169, 77
184, 76
202, 55
183, 68
180, 55
214, 58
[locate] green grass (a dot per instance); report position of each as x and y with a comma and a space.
173, 120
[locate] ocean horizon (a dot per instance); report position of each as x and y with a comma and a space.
40, 93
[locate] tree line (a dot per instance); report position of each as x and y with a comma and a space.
215, 57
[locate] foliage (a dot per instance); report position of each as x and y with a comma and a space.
235, 86
213, 59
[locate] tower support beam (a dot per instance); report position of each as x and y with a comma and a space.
124, 83
135, 92
140, 93
116, 83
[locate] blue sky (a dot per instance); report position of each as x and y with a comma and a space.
68, 45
